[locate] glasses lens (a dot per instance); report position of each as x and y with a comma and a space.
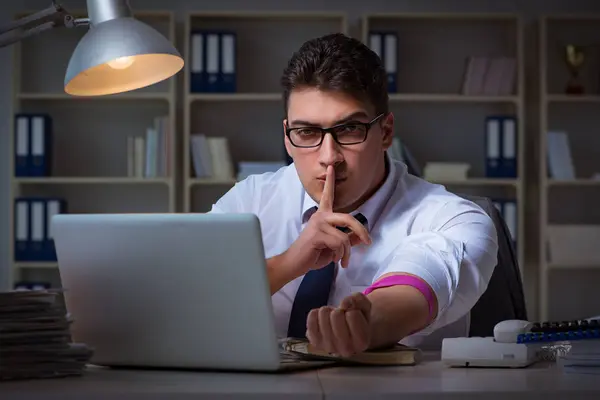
351, 133
305, 137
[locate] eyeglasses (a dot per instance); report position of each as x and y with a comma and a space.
349, 133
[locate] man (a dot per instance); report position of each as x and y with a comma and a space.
360, 254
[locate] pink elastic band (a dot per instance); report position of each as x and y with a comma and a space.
418, 284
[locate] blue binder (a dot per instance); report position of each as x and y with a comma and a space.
212, 59
501, 146
198, 64
385, 45
41, 136
493, 143
22, 145
390, 59
37, 238
508, 156
22, 229
228, 51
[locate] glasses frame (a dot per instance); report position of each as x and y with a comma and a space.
330, 130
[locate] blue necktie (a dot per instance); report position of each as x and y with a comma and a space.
313, 293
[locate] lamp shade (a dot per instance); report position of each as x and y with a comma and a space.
120, 55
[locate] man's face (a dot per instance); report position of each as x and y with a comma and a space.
358, 167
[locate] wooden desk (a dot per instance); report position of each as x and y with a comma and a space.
429, 380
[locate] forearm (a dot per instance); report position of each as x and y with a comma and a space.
396, 312
279, 273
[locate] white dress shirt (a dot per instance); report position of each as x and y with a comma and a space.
417, 227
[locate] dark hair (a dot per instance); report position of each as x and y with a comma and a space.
336, 62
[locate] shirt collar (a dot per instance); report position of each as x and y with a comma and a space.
371, 208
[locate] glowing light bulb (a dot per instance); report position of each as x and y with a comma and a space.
121, 62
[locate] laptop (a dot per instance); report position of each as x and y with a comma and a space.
186, 291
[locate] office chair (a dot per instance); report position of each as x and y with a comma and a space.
504, 297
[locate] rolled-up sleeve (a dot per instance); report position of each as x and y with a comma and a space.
455, 254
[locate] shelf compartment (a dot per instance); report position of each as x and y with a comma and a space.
273, 36
581, 31
426, 41
91, 140
448, 132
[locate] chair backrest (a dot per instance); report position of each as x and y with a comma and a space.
504, 297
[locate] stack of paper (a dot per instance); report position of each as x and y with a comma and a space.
35, 340
583, 358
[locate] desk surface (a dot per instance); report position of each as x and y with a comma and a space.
429, 380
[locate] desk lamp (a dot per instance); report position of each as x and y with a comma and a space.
117, 54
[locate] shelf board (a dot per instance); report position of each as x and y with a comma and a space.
83, 13
35, 265
566, 98
574, 182
90, 180
266, 14
211, 181
444, 16
478, 182
571, 17
234, 97
122, 96
572, 266
394, 97
450, 98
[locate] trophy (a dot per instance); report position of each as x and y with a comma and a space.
574, 58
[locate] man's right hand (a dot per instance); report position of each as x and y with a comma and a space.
320, 242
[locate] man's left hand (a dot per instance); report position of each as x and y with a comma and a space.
344, 330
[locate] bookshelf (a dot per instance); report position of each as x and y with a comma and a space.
249, 117
91, 166
569, 194
429, 105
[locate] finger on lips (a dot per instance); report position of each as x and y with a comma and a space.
339, 219
326, 203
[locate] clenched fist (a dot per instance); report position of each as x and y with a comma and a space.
344, 330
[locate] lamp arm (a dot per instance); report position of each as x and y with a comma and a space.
51, 17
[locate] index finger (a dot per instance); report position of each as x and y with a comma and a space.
326, 203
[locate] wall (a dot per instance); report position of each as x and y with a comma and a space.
529, 8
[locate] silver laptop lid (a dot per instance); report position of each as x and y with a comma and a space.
168, 290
